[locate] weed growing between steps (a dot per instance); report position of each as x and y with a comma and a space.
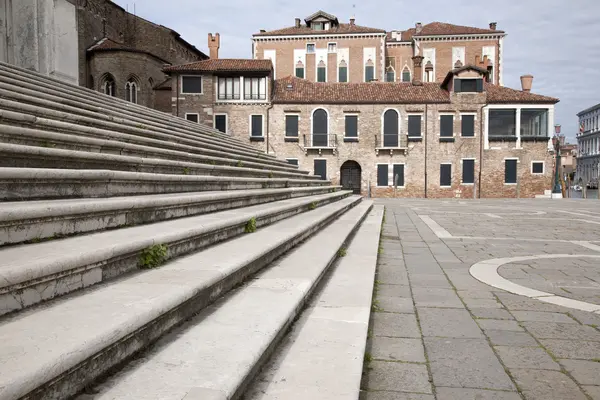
240, 164
186, 171
341, 252
270, 175
153, 256
250, 225
312, 206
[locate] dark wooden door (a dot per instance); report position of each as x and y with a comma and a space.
350, 176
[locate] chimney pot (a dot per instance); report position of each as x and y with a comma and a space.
352, 20
493, 25
214, 42
262, 31
526, 81
297, 22
417, 70
418, 27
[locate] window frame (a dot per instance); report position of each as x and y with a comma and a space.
196, 114
408, 125
233, 79
293, 159
445, 186
406, 71
387, 175
192, 93
388, 71
259, 98
346, 115
365, 76
131, 91
314, 48
324, 74
516, 171
543, 168
403, 175
478, 85
285, 133
262, 125
334, 45
382, 124
226, 121
462, 181
474, 115
440, 130
324, 178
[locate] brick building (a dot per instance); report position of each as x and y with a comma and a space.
324, 49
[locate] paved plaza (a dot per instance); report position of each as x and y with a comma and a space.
486, 300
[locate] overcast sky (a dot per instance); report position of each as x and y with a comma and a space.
557, 41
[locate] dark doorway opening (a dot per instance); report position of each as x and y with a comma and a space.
350, 176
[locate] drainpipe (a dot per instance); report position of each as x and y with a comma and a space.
480, 150
177, 94
268, 109
425, 150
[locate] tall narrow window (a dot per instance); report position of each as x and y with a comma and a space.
310, 48
382, 175
256, 125
221, 122
445, 175
429, 72
390, 75
414, 126
228, 89
332, 47
320, 168
108, 86
291, 126
131, 91
299, 70
446, 125
398, 175
510, 171
320, 128
369, 71
255, 88
321, 72
406, 75
468, 171
351, 127
467, 128
390, 129
343, 72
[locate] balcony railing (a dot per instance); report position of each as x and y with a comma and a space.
397, 141
320, 141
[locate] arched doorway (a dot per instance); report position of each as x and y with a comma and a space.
350, 176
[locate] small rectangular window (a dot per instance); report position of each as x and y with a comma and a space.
192, 117
257, 125
255, 88
221, 122
291, 126
414, 126
191, 84
468, 85
382, 175
321, 74
317, 26
537, 167
446, 175
351, 129
320, 167
467, 128
510, 171
300, 73
446, 125
398, 176
343, 74
468, 171
405, 76
369, 73
310, 48
293, 161
332, 47
228, 88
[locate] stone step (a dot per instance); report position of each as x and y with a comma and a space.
42, 271
217, 353
322, 357
45, 135
54, 117
85, 335
39, 220
18, 184
21, 156
24, 82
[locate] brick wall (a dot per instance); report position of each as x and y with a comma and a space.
402, 55
201, 104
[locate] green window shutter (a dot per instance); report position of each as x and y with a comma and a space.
382, 175
343, 74
351, 126
300, 73
321, 71
457, 85
468, 171
369, 74
480, 85
467, 126
291, 125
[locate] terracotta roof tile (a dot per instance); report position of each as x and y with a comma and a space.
501, 94
224, 65
303, 91
304, 30
443, 28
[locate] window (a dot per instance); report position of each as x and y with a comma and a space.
108, 87
414, 126
321, 72
369, 71
332, 47
406, 75
320, 167
534, 122
320, 128
382, 175
468, 171
390, 129
291, 126
256, 125
191, 84
317, 26
229, 89
131, 91
398, 175
351, 129
468, 85
490, 75
537, 167
300, 70
429, 72
293, 161
192, 117
467, 125
255, 88
390, 75
510, 171
502, 122
445, 175
446, 125
310, 48
343, 72
221, 122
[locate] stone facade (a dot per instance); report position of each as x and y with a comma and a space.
588, 143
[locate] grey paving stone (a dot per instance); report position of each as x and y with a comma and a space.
593, 392
430, 280
397, 349
520, 303
381, 395
499, 325
465, 363
481, 303
491, 313
538, 384
396, 304
395, 325
445, 393
586, 317
395, 376
526, 357
476, 294
448, 322
553, 330
435, 297
576, 349
584, 372
392, 275
538, 316
386, 290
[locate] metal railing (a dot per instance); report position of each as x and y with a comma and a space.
320, 141
394, 141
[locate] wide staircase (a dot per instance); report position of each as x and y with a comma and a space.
143, 256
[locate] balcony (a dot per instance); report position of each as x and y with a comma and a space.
320, 142
391, 142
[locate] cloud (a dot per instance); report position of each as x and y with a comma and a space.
557, 41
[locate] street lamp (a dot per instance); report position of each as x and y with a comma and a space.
556, 190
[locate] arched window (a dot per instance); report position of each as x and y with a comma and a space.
369, 70
405, 75
151, 83
390, 74
390, 128
343, 71
320, 128
300, 70
429, 72
131, 91
108, 86
321, 72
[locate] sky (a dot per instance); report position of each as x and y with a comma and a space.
556, 41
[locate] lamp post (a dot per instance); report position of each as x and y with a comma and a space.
556, 190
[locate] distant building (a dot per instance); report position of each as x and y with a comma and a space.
588, 143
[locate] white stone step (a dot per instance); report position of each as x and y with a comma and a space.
44, 183
38, 272
20, 156
34, 130
322, 357
55, 351
217, 353
36, 220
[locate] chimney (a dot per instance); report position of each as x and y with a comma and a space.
262, 31
526, 81
214, 42
418, 27
493, 25
352, 20
297, 22
417, 70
